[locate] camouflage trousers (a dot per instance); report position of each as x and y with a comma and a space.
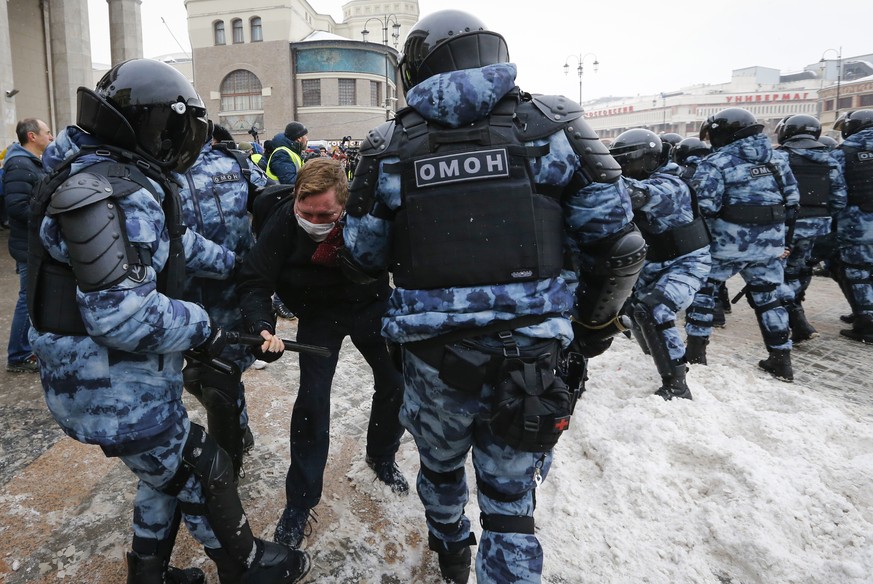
857, 263
154, 510
764, 281
447, 424
673, 284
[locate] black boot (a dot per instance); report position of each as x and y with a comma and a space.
862, 329
801, 330
155, 570
674, 384
454, 559
723, 298
847, 318
274, 564
778, 364
695, 349
718, 319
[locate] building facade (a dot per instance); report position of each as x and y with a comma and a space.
769, 94
45, 56
262, 63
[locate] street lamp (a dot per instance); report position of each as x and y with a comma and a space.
580, 59
388, 19
839, 76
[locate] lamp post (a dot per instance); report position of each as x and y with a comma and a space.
580, 60
839, 53
388, 19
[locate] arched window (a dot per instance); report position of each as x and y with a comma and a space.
241, 91
236, 25
257, 31
218, 32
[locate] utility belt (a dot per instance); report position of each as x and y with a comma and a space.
753, 214
676, 242
531, 405
809, 211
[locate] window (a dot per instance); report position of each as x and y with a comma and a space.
865, 100
375, 94
236, 24
311, 92
845, 103
218, 32
829, 105
241, 91
347, 92
257, 31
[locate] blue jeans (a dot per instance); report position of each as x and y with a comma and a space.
19, 346
310, 420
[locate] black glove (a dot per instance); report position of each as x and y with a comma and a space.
214, 345
266, 356
587, 342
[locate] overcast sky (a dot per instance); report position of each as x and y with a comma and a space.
643, 47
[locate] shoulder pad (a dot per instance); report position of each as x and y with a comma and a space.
79, 191
544, 115
378, 140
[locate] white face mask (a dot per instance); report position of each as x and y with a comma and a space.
317, 231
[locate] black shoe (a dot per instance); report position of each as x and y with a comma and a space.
281, 310
801, 330
847, 318
29, 365
278, 565
695, 350
388, 472
148, 569
293, 526
674, 385
455, 559
778, 364
862, 329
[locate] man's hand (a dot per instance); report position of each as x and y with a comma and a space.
271, 349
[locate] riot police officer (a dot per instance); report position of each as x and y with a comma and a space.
822, 194
216, 193
855, 222
466, 199
677, 259
109, 255
746, 196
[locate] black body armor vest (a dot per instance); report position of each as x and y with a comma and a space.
859, 178
814, 183
51, 285
470, 211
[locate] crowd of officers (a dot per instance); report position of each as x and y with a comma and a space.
519, 244
739, 205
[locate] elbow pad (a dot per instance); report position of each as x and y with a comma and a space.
94, 231
603, 291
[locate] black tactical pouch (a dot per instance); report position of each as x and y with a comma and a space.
532, 405
465, 369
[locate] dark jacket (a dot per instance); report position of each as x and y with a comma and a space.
286, 260
23, 171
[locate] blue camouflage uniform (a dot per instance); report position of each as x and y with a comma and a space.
808, 229
120, 387
215, 197
739, 174
669, 285
445, 422
855, 235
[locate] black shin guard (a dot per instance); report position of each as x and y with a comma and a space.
220, 395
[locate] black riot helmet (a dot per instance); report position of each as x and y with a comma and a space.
829, 142
729, 125
669, 140
852, 122
798, 126
638, 152
448, 40
148, 107
690, 147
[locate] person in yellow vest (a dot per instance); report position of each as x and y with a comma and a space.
287, 157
